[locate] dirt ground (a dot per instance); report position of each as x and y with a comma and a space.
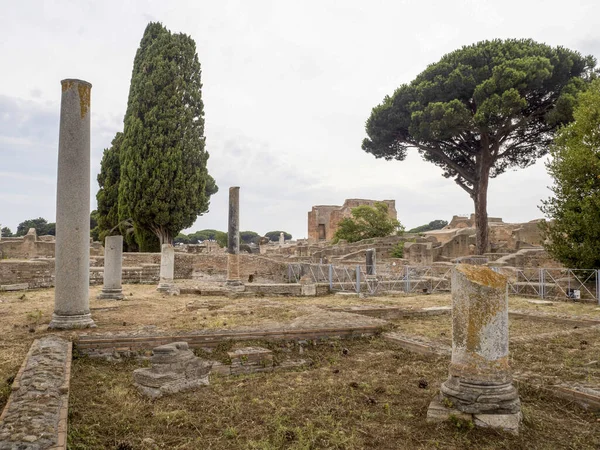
372, 395
26, 314
439, 328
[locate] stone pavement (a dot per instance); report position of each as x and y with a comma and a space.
35, 416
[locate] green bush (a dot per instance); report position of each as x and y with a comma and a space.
398, 250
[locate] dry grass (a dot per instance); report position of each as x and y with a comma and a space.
367, 399
559, 308
439, 328
25, 315
574, 358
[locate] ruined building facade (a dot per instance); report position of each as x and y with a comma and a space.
323, 220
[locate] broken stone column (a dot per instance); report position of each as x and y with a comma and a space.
480, 381
281, 239
113, 264
175, 368
233, 240
371, 269
167, 270
71, 302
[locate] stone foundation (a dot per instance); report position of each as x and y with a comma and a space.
35, 416
175, 368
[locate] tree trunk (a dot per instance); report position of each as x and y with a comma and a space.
480, 201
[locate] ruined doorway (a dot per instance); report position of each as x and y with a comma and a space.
321, 231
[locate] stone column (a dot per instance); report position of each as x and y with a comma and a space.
71, 302
480, 380
113, 264
371, 262
281, 239
167, 270
233, 239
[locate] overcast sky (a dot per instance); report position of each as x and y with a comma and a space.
287, 89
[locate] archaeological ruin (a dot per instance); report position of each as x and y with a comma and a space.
323, 220
172, 345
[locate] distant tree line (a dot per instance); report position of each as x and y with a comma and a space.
246, 237
433, 225
41, 225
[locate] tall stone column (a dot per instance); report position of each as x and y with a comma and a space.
71, 302
233, 239
371, 261
480, 378
281, 239
113, 264
167, 270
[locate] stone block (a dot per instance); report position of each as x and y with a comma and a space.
14, 287
175, 368
437, 412
506, 422
309, 290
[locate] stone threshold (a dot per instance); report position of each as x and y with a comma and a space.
101, 345
46, 373
397, 312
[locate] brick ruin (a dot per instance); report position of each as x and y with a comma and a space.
323, 220
509, 242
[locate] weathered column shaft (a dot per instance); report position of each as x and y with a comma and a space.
371, 261
233, 238
113, 264
480, 378
71, 307
167, 267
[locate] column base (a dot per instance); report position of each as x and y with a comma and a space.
480, 398
110, 294
444, 410
168, 288
60, 322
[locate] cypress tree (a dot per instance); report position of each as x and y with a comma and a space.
107, 214
164, 183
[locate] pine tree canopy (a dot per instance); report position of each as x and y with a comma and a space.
481, 110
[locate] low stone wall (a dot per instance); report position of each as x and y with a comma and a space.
145, 268
35, 273
190, 265
26, 247
35, 416
125, 345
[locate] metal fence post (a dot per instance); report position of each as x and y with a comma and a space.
330, 277
541, 277
407, 279
358, 279
598, 286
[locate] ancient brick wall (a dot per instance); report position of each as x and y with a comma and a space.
145, 268
328, 217
25, 248
36, 273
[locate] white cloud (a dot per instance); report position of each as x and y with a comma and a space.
287, 89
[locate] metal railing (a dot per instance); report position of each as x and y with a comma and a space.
544, 283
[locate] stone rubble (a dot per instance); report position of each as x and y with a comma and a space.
175, 368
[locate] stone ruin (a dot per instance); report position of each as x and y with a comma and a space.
174, 368
479, 387
323, 220
458, 239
